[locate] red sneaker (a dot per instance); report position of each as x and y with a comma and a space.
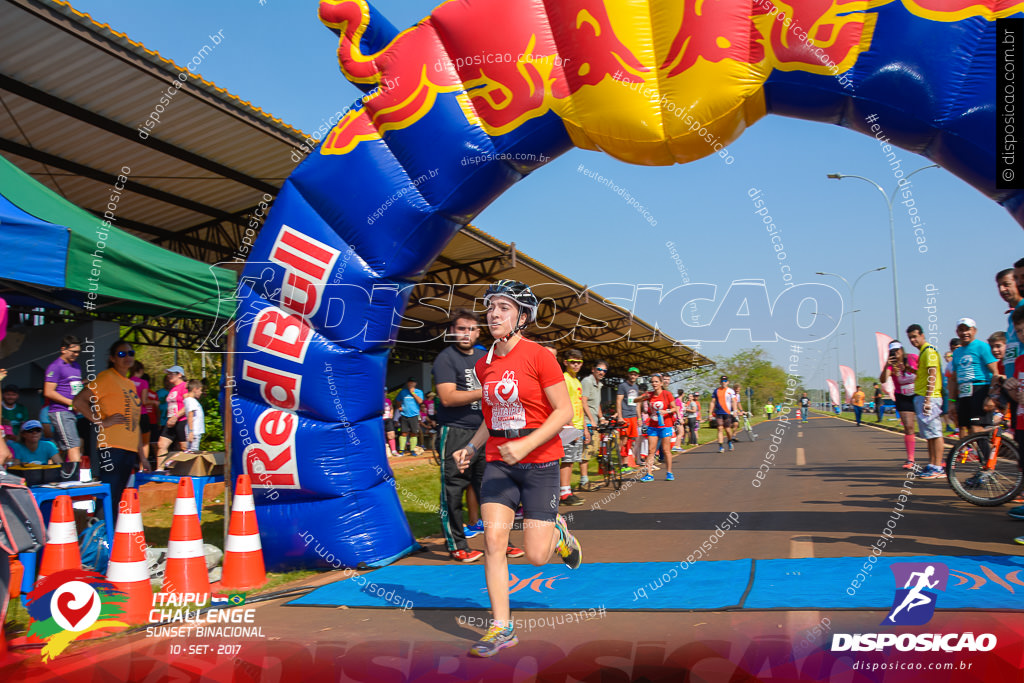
466, 555
513, 551
908, 465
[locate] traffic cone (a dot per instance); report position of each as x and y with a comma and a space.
128, 569
186, 561
61, 551
243, 553
17, 574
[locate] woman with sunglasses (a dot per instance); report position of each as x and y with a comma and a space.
30, 448
112, 405
525, 404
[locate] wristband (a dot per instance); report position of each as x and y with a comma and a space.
470, 445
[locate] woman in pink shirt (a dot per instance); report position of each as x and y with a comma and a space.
902, 369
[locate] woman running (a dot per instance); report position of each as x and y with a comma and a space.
525, 403
662, 410
903, 371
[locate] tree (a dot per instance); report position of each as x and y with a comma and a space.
753, 369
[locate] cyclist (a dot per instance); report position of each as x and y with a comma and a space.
721, 411
975, 368
525, 404
902, 368
662, 412
1014, 384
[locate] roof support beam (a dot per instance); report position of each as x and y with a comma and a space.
74, 111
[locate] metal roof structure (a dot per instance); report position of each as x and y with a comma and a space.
75, 97
569, 315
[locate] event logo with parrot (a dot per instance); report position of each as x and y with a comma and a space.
71, 603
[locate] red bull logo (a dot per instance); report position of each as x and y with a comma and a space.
509, 62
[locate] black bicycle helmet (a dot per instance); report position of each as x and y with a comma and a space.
518, 292
523, 297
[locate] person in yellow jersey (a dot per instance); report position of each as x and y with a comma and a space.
576, 430
928, 400
110, 402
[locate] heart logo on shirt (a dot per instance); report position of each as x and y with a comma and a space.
507, 390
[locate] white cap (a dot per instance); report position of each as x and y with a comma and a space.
967, 321
893, 345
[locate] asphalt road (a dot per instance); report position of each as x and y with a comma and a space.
827, 492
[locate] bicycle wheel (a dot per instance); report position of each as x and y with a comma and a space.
615, 462
965, 469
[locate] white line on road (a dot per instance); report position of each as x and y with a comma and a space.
801, 461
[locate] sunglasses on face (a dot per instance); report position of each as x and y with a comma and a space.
129, 352
574, 362
600, 369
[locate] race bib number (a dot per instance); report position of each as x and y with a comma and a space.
76, 386
966, 390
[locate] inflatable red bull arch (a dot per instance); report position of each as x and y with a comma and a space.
481, 94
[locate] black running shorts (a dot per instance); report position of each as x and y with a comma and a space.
535, 485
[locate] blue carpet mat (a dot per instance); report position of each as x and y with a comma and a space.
982, 582
977, 582
702, 586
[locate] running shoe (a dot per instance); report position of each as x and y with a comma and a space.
932, 472
519, 512
669, 476
568, 547
978, 480
655, 468
909, 465
627, 470
571, 500
512, 551
497, 638
470, 532
1017, 512
466, 555
730, 445
479, 526
721, 448
647, 477
1019, 539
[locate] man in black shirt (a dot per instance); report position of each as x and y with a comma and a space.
458, 417
879, 409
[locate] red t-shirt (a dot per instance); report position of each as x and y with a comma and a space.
662, 401
513, 396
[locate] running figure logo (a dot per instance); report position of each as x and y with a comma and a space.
914, 603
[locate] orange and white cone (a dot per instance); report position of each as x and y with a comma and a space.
61, 551
243, 552
186, 561
128, 569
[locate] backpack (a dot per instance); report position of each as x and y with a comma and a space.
93, 546
22, 529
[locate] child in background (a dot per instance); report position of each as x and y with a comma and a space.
195, 420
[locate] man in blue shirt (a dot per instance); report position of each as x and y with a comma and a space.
974, 366
408, 403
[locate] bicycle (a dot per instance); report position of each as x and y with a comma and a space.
747, 428
610, 453
989, 463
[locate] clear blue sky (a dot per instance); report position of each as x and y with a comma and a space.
278, 56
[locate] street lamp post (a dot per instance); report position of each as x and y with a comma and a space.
892, 230
853, 302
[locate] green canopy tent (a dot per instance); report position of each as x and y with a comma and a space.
65, 253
